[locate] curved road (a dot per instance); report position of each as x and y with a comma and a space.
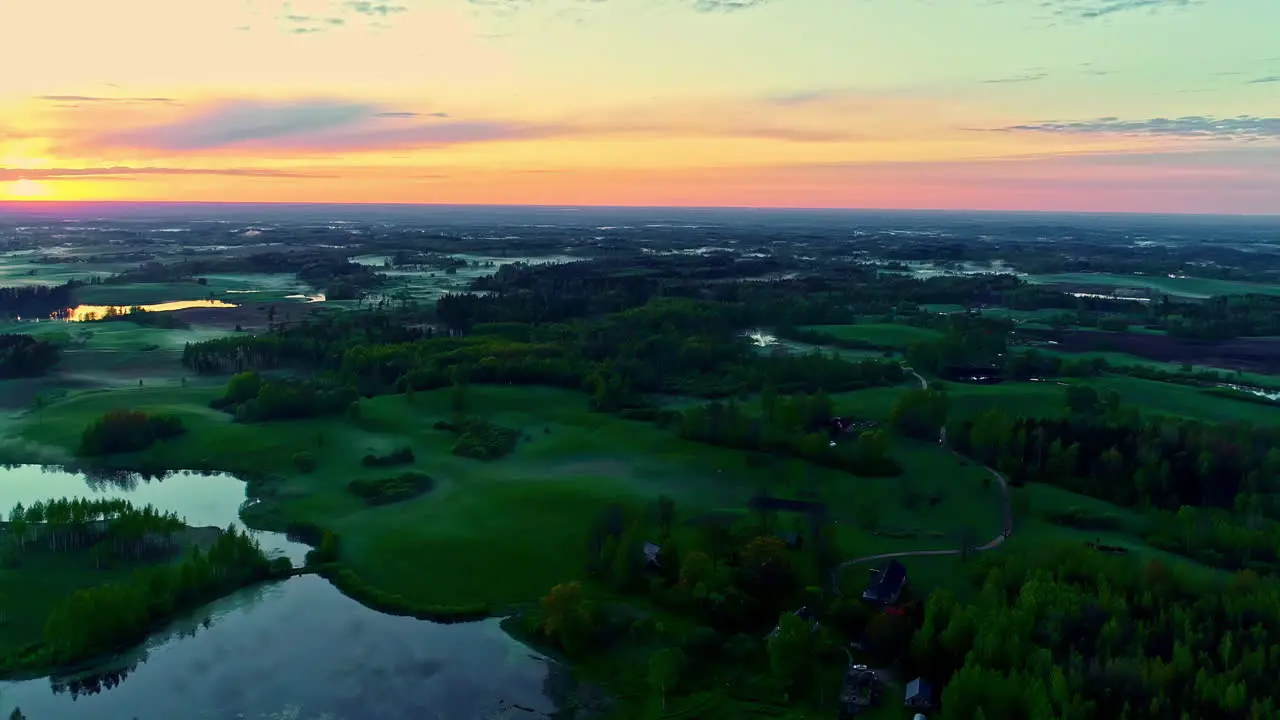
995, 542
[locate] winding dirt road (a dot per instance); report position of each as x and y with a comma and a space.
994, 543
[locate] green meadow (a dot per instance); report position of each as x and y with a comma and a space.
1180, 286
504, 531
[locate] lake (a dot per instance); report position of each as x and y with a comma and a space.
201, 500
293, 650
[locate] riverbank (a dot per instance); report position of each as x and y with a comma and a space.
101, 621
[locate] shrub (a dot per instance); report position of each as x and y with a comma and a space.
403, 456
381, 491
122, 431
484, 440
304, 461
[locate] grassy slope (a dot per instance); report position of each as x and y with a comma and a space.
1185, 401
506, 530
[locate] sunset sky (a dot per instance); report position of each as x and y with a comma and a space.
1091, 105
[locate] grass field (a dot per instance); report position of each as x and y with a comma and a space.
1186, 401
103, 355
1182, 286
886, 334
506, 530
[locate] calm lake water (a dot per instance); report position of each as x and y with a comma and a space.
293, 650
201, 500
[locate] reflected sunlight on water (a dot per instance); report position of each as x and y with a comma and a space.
81, 313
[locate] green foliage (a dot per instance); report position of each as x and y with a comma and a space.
327, 551
793, 650
23, 356
919, 413
250, 398
305, 461
381, 491
568, 618
665, 666
1075, 635
481, 439
99, 619
801, 428
401, 456
354, 587
122, 431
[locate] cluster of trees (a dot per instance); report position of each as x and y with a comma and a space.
1112, 452
24, 356
382, 491
1218, 538
108, 528
480, 439
99, 619
1077, 635
730, 583
123, 431
36, 301
967, 341
670, 345
252, 398
401, 456
798, 425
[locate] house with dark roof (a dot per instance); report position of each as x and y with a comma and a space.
919, 694
886, 584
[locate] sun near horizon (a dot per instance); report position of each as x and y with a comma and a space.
1068, 105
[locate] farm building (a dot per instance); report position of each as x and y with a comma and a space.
886, 584
919, 694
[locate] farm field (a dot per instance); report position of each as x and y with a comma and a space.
1182, 286
886, 334
1185, 401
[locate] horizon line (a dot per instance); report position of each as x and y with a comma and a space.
35, 204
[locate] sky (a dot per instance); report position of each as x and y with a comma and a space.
1057, 105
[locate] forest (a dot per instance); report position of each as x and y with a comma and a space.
22, 356
102, 618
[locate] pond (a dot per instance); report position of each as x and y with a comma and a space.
297, 649
201, 500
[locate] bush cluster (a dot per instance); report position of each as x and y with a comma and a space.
403, 456
381, 491
122, 431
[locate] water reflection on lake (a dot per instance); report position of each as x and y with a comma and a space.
300, 649
201, 500
80, 313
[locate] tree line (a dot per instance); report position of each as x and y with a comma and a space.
23, 356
